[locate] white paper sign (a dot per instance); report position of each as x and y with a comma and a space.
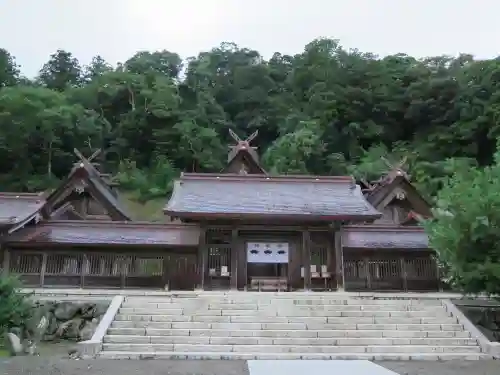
267, 252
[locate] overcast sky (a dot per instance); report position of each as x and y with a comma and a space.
33, 29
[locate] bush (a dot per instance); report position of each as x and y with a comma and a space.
465, 230
15, 308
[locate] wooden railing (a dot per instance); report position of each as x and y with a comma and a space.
104, 269
378, 272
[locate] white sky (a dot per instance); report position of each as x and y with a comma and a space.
33, 29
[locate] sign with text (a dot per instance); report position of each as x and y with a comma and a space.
267, 252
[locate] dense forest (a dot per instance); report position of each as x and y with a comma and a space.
326, 110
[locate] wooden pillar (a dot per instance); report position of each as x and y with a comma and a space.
404, 274
339, 259
294, 262
234, 258
43, 269
202, 258
6, 261
306, 258
368, 272
242, 263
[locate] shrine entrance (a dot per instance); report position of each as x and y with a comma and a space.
267, 265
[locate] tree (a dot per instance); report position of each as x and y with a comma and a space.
466, 229
97, 67
62, 70
9, 71
327, 110
15, 307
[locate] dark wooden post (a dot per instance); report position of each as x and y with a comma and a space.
6, 261
43, 269
368, 272
306, 258
202, 258
234, 258
404, 275
339, 260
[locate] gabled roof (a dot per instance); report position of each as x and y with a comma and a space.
18, 207
244, 153
94, 183
247, 158
384, 237
379, 191
103, 233
312, 198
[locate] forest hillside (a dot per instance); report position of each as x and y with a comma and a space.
325, 111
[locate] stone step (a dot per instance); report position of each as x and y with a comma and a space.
280, 320
288, 333
207, 340
275, 306
138, 301
188, 348
302, 322
295, 356
287, 327
372, 311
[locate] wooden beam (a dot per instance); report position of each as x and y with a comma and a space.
43, 269
79, 154
306, 257
339, 259
6, 261
234, 258
202, 257
94, 155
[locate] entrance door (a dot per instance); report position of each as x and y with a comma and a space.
267, 265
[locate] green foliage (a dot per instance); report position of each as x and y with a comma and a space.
466, 228
15, 308
150, 183
326, 110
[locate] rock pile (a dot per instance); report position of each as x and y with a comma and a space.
71, 320
74, 321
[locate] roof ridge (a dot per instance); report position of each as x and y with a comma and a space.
117, 224
257, 177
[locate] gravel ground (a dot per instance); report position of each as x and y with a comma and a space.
58, 366
444, 368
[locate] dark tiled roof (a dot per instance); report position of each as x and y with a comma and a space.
256, 195
16, 207
384, 237
94, 178
83, 232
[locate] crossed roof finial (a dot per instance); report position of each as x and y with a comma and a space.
246, 141
396, 169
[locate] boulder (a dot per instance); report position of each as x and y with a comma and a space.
88, 329
66, 310
71, 329
13, 344
52, 327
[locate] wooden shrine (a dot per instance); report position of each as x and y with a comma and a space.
239, 229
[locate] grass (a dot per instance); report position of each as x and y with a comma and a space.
3, 353
151, 210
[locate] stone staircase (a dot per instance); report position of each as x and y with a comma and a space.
249, 325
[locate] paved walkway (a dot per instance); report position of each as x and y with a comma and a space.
58, 366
